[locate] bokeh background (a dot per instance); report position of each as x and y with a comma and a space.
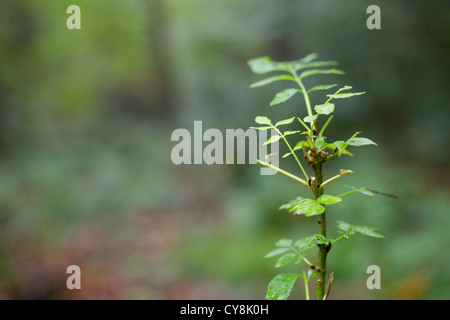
86, 119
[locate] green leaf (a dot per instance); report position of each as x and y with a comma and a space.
283, 96
322, 87
344, 226
327, 199
324, 108
280, 286
305, 243
300, 145
341, 146
345, 88
309, 207
303, 62
320, 142
311, 72
298, 259
264, 65
284, 243
307, 59
261, 128
345, 151
357, 142
285, 121
319, 64
337, 144
343, 172
270, 80
310, 274
272, 139
362, 190
310, 118
320, 239
366, 192
276, 252
287, 133
310, 57
367, 231
316, 64
284, 260
263, 120
289, 206
344, 95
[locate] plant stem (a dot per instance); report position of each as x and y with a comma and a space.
325, 126
305, 93
308, 103
344, 236
342, 173
323, 248
305, 281
304, 124
347, 193
317, 189
284, 172
330, 281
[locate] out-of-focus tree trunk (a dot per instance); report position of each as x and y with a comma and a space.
17, 33
161, 79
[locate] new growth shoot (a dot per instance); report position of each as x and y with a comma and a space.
312, 149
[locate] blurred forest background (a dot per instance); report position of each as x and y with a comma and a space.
86, 118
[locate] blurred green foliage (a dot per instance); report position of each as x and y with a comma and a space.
85, 124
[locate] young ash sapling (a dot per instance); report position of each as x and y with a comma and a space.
316, 150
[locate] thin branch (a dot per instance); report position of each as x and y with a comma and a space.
304, 91
305, 281
284, 172
325, 125
330, 281
347, 193
342, 173
304, 124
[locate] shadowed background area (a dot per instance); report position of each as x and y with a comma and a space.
86, 118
